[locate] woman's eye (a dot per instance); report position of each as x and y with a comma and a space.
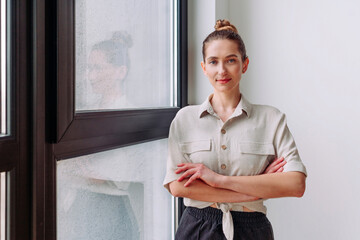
231, 60
212, 62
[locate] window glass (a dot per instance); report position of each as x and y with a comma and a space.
123, 54
3, 88
116, 194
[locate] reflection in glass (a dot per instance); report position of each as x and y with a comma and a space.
116, 194
3, 69
107, 69
123, 51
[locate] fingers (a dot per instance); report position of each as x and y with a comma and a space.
186, 174
271, 165
190, 170
277, 161
276, 166
183, 167
191, 179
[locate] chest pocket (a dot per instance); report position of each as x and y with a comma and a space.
253, 157
197, 151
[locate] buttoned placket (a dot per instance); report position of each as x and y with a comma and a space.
222, 158
224, 148
224, 144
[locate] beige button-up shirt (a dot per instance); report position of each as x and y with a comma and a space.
244, 145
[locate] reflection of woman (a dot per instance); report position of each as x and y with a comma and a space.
102, 203
220, 151
108, 66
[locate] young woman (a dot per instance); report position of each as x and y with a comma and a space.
227, 155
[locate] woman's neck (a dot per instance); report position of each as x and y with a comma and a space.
224, 104
109, 98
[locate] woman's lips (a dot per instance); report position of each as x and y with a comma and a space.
223, 81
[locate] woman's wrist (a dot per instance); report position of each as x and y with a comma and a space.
221, 181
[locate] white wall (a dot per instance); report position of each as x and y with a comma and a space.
201, 15
305, 60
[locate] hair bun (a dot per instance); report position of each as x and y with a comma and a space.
122, 37
223, 24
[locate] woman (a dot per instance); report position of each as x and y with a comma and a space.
220, 150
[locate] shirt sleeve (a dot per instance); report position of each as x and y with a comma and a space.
285, 147
175, 156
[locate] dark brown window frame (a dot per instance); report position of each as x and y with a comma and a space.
15, 148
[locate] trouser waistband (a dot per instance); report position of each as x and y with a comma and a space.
213, 214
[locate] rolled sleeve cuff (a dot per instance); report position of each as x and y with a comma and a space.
295, 166
170, 177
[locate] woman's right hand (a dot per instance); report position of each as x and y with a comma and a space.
276, 166
194, 171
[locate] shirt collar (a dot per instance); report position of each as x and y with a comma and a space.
244, 105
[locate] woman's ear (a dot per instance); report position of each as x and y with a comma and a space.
203, 67
121, 72
245, 65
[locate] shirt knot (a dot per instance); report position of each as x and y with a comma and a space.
227, 220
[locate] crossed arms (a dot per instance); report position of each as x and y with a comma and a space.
200, 183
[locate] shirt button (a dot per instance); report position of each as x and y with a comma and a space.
223, 131
223, 166
223, 147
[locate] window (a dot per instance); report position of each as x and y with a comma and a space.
123, 54
144, 121
92, 149
44, 124
121, 187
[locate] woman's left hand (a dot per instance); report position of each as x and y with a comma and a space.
197, 171
276, 166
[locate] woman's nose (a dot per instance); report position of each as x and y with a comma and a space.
222, 69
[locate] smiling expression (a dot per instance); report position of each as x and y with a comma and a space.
223, 65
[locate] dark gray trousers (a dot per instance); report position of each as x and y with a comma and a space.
206, 224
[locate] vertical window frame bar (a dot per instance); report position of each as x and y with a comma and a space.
182, 24
174, 53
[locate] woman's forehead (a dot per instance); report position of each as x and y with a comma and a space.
221, 48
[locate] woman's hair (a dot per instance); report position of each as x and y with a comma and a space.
116, 48
225, 30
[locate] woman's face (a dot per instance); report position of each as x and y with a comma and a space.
103, 75
223, 65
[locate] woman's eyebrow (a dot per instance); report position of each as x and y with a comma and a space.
232, 55
209, 58
228, 56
